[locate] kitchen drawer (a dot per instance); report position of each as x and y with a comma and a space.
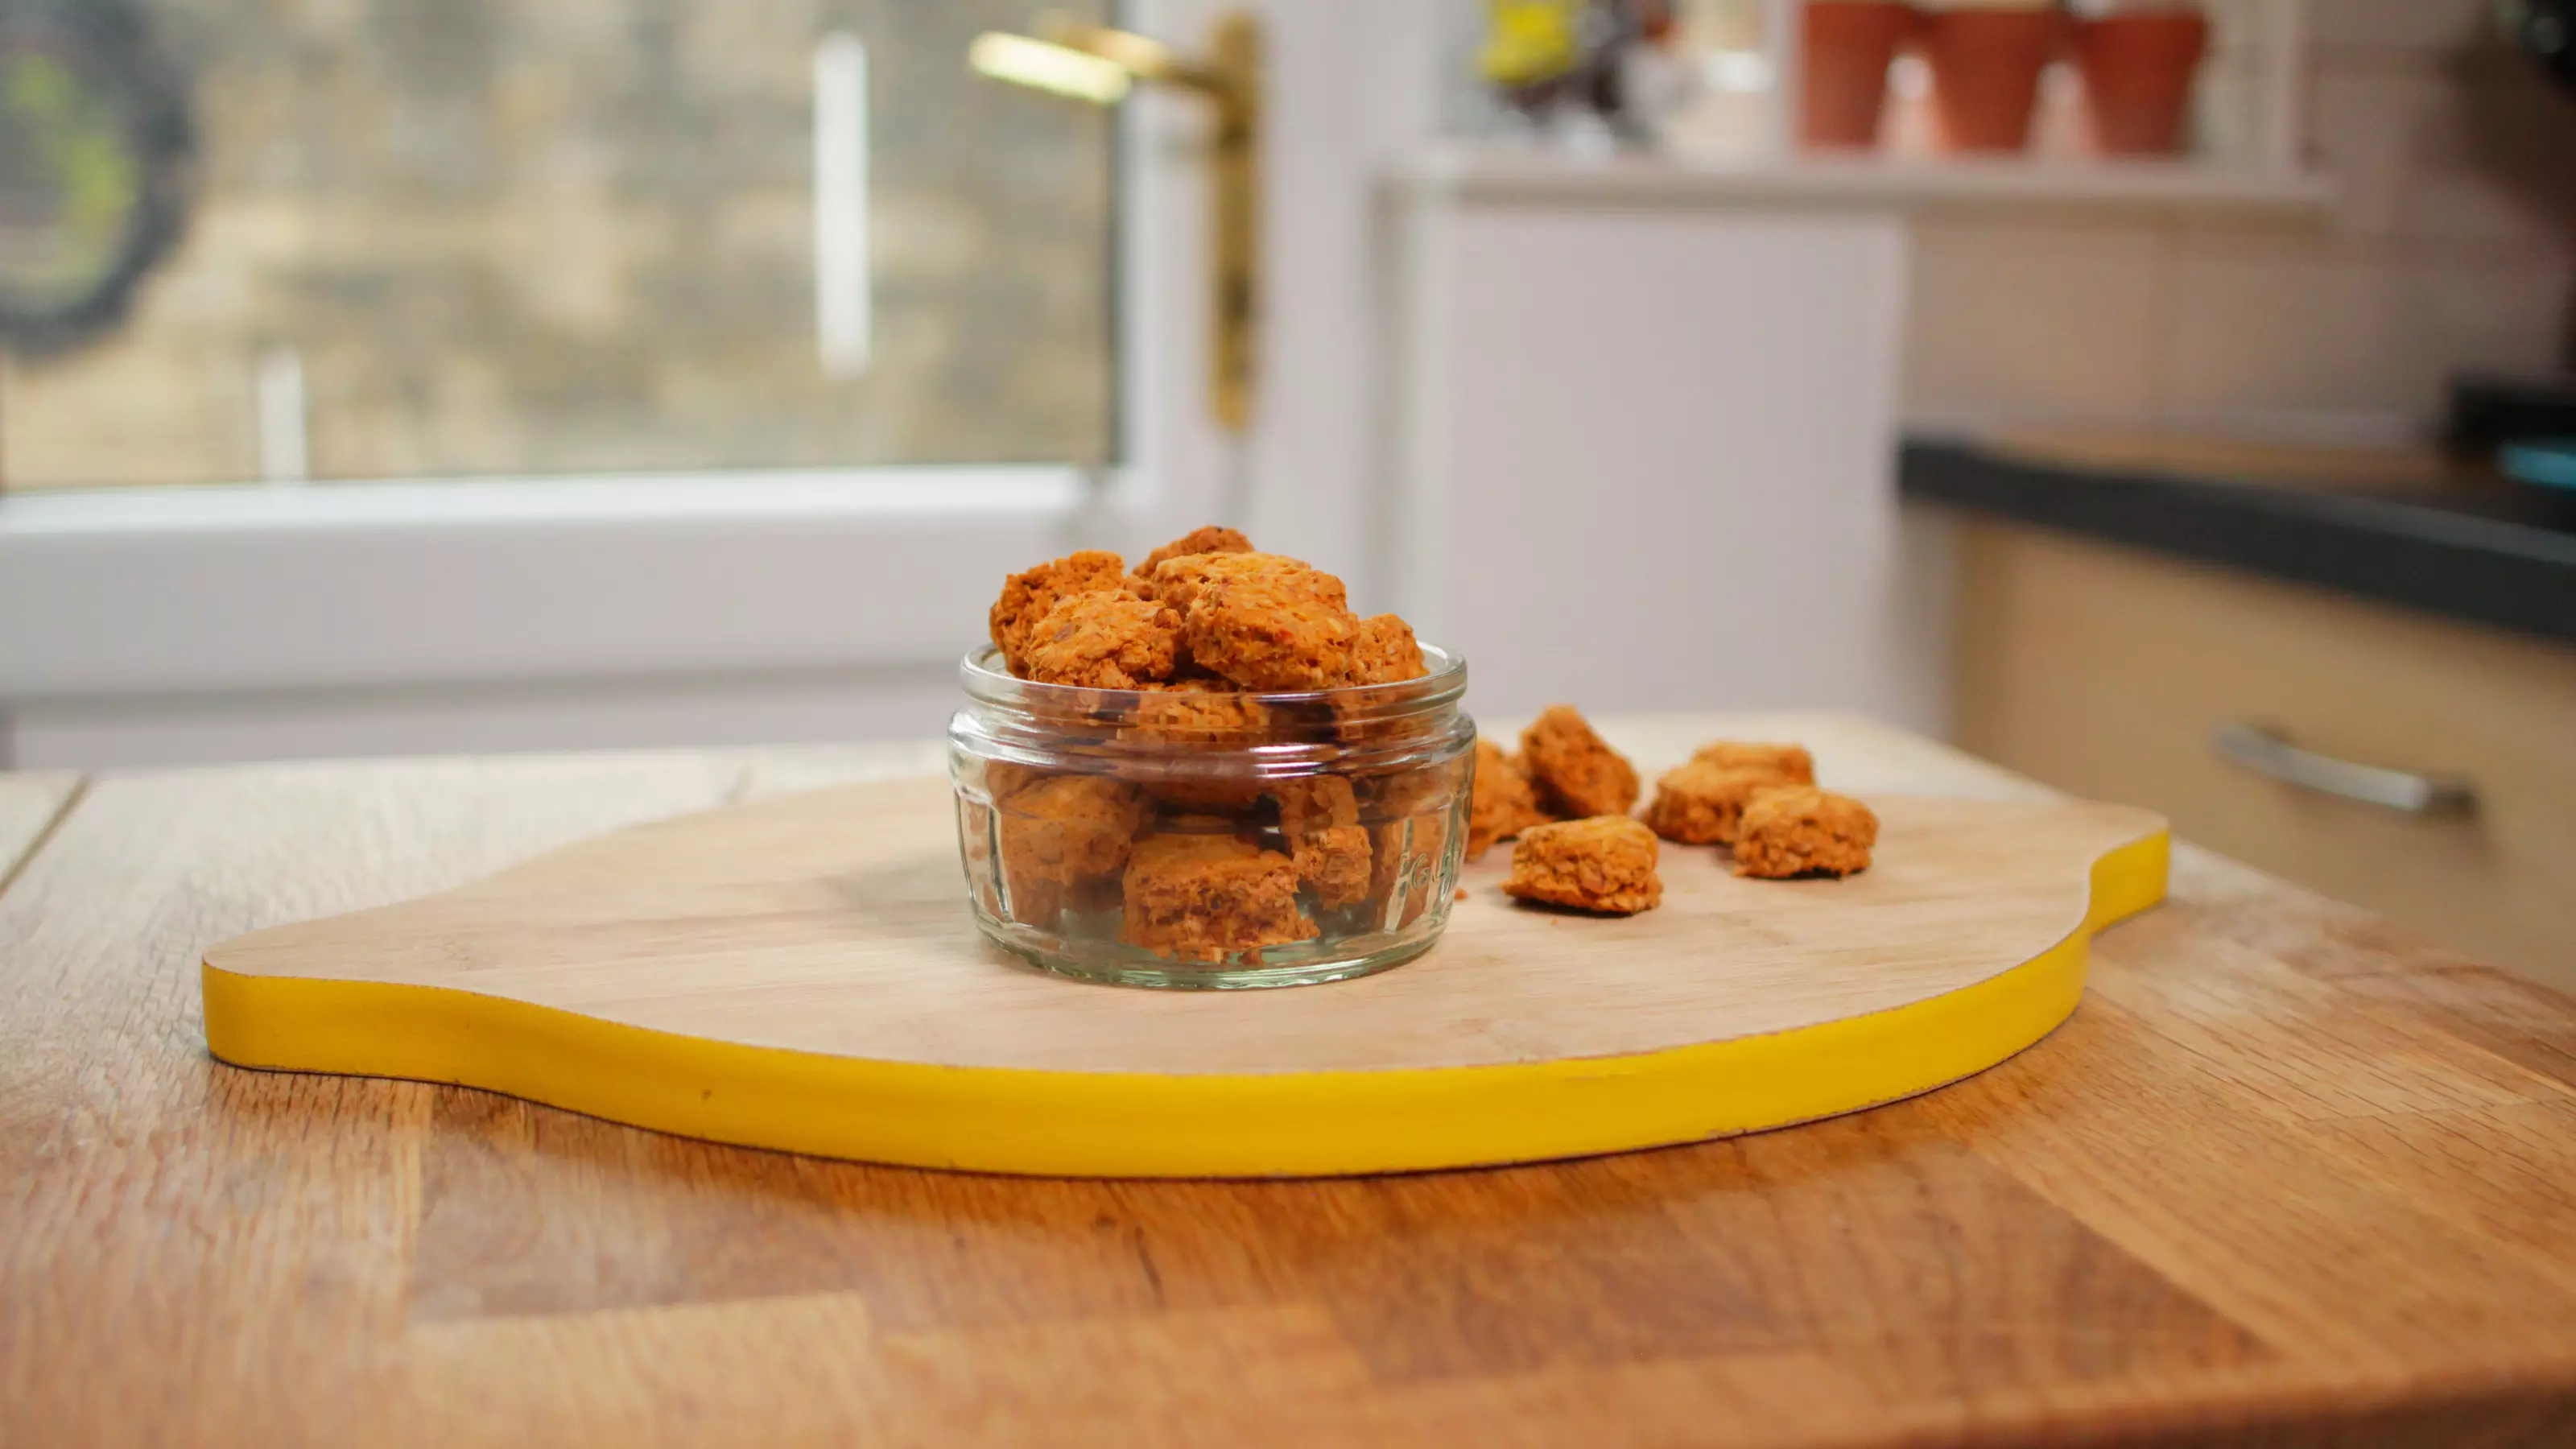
2106, 672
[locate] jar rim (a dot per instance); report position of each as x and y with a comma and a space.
1444, 682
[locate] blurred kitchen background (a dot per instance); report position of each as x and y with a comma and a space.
2170, 401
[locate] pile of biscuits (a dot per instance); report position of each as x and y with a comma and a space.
1205, 611
1200, 857
1202, 864
1567, 794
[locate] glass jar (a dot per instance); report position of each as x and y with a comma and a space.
1204, 838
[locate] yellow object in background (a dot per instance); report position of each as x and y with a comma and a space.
1528, 41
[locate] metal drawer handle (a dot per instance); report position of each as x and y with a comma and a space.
2268, 753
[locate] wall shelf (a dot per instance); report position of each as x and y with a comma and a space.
1531, 176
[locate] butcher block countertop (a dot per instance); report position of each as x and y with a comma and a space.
2287, 1177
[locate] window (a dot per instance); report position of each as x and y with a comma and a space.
431, 238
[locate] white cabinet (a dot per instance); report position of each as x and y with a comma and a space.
1642, 453
1641, 420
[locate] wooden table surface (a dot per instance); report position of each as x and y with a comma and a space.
2287, 1177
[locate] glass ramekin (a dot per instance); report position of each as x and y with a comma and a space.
1211, 840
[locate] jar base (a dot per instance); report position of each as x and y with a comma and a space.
1141, 968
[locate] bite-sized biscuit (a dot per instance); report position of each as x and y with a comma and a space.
1384, 651
1203, 898
1333, 862
1504, 804
1103, 641
1576, 774
1790, 764
1605, 864
1189, 725
1315, 802
1267, 634
1179, 581
1026, 597
1002, 779
1200, 710
1211, 539
1320, 815
1793, 830
1700, 803
1061, 834
1216, 792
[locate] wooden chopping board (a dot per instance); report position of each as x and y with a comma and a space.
802, 974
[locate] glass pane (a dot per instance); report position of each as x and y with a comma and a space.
449, 237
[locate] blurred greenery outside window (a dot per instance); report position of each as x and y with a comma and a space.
425, 238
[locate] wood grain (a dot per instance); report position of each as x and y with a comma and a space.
834, 922
2288, 1178
2104, 671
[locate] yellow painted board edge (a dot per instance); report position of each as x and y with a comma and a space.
1103, 1124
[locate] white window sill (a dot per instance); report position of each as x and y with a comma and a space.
486, 503
115, 592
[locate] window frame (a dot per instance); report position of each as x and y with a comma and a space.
116, 596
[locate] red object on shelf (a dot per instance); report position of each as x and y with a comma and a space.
1985, 73
1846, 46
2138, 70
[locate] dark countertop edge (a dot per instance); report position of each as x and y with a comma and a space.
2482, 571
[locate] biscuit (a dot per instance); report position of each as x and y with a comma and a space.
1269, 633
1384, 651
1063, 833
1604, 864
1576, 774
1504, 803
1334, 863
1179, 581
1199, 711
1700, 803
1191, 721
1790, 764
1203, 898
1002, 779
1794, 830
1320, 815
1315, 802
1214, 793
1026, 597
1103, 641
1211, 539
